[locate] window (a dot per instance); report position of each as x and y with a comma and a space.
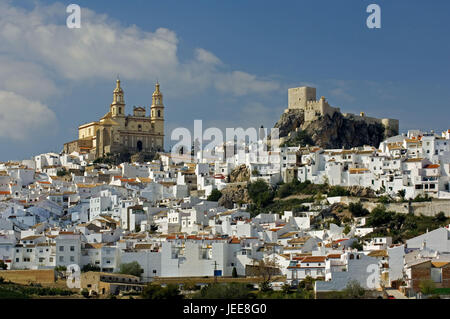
61, 248
72, 248
61, 259
72, 258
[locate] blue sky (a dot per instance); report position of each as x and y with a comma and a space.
228, 63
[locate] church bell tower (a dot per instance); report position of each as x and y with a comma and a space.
118, 105
157, 111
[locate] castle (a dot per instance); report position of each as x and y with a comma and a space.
304, 98
116, 132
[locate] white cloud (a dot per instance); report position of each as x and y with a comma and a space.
240, 83
26, 79
102, 48
21, 117
207, 57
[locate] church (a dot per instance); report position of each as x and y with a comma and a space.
116, 132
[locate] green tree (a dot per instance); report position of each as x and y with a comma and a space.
3, 266
90, 267
132, 268
357, 245
353, 290
234, 273
157, 292
357, 209
260, 193
284, 190
384, 199
85, 293
231, 290
379, 216
402, 193
427, 286
215, 195
440, 217
347, 229
337, 191
307, 283
62, 172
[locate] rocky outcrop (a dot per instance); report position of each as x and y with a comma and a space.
240, 174
290, 122
360, 191
234, 194
336, 131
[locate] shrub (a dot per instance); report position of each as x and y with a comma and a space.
353, 290
379, 216
3, 266
60, 268
384, 199
357, 209
440, 217
90, 267
346, 229
132, 268
337, 191
156, 292
85, 293
357, 245
420, 198
260, 193
224, 291
215, 195
427, 286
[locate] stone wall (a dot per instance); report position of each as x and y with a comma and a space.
44, 276
419, 208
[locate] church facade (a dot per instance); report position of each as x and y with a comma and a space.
116, 132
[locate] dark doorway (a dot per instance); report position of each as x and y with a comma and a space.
139, 146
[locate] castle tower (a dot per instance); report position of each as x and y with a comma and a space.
118, 105
298, 98
157, 111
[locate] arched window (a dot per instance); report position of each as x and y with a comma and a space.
139, 146
139, 127
120, 110
351, 256
159, 113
